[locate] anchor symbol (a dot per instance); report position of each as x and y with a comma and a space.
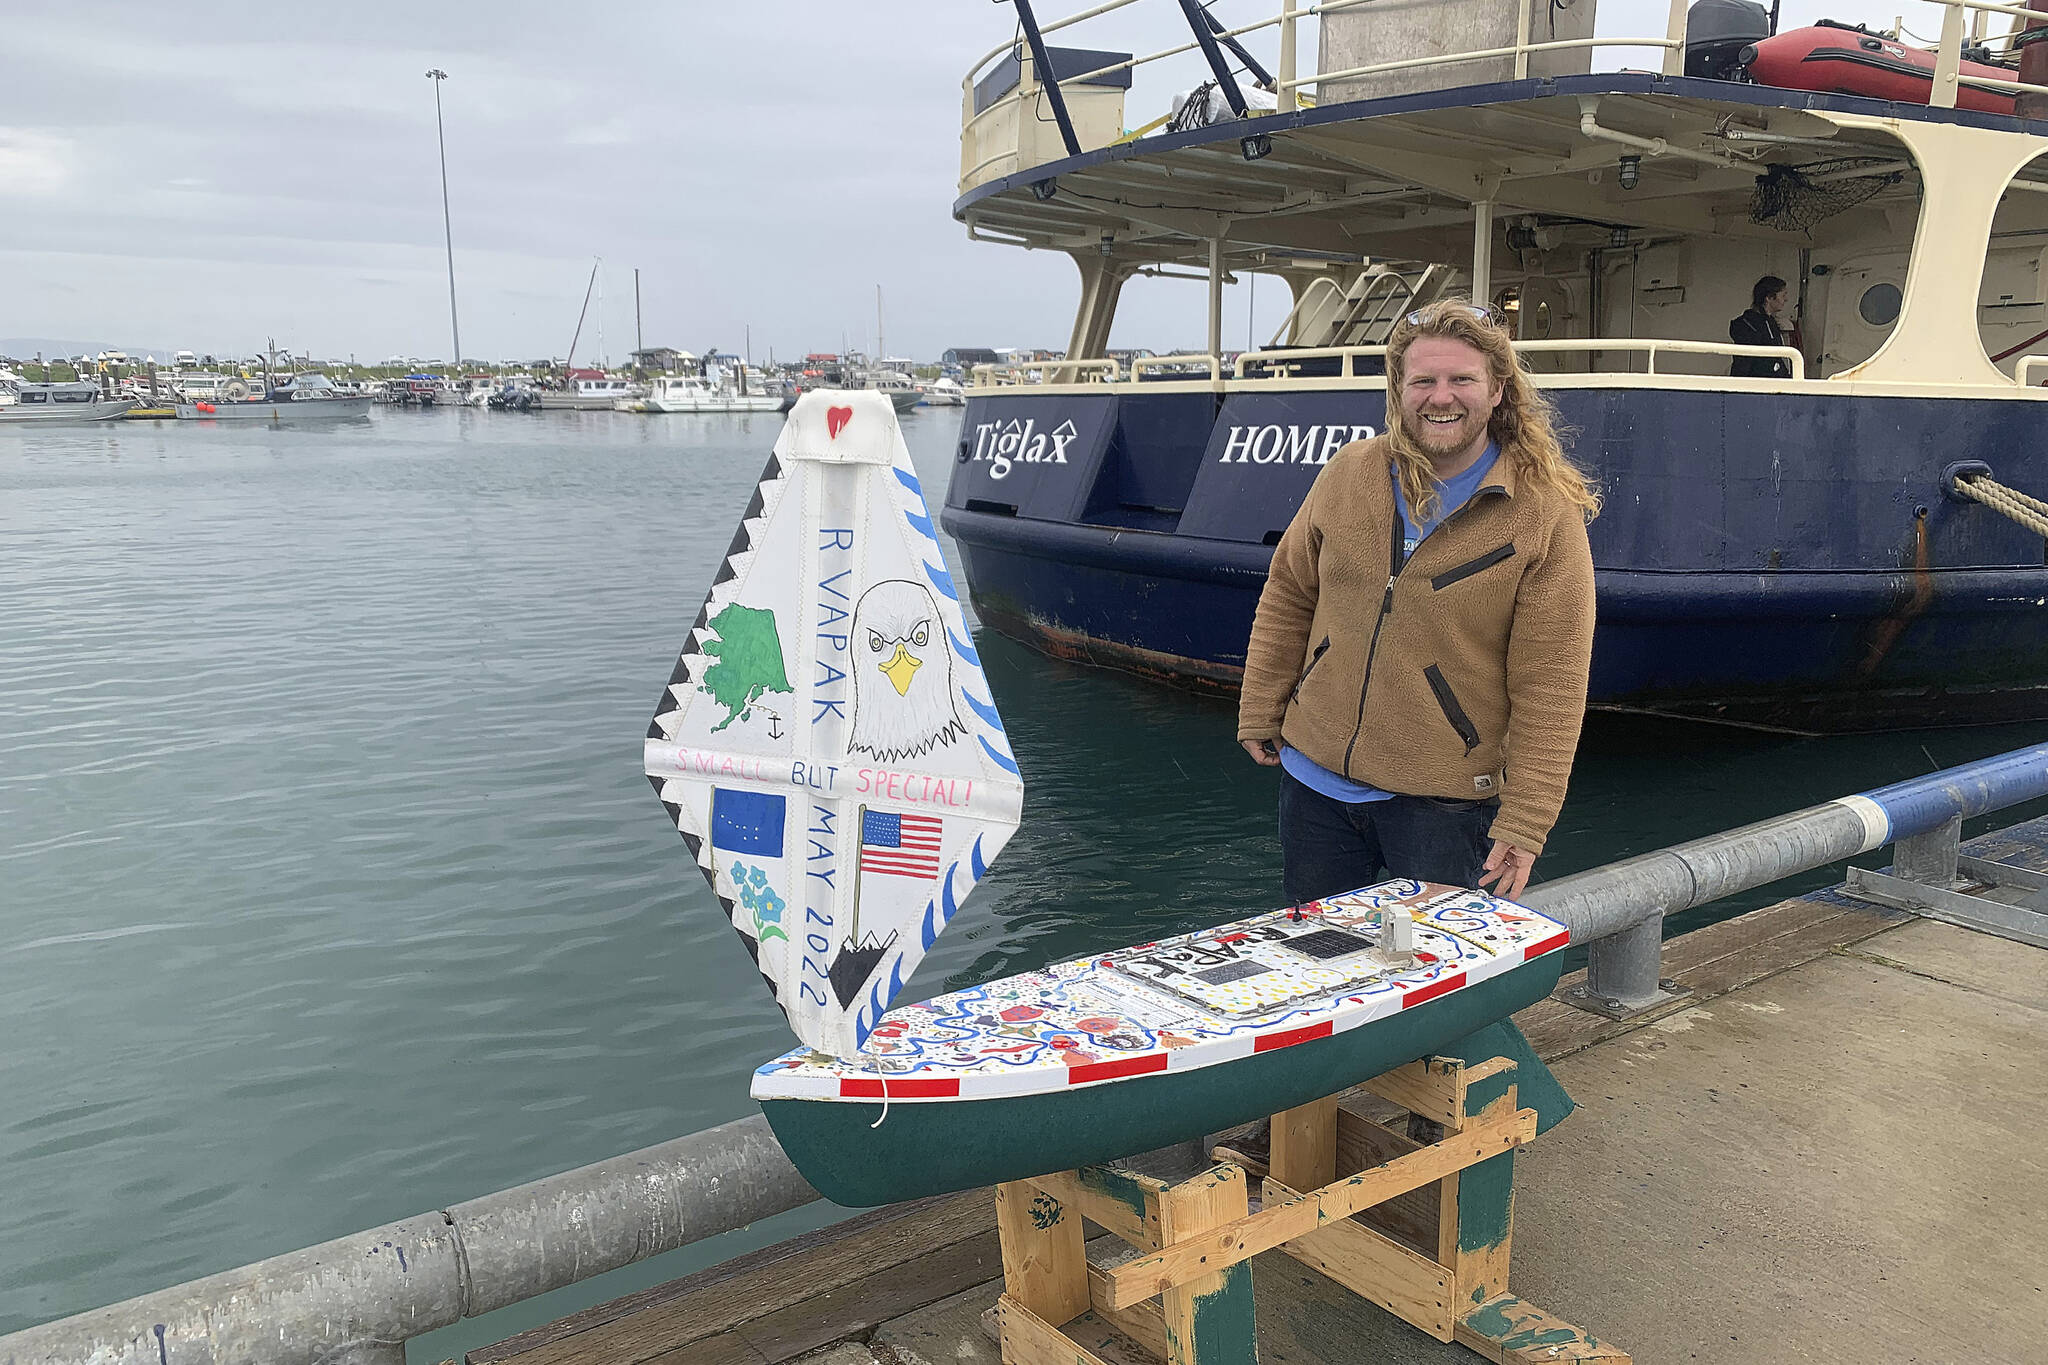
774, 726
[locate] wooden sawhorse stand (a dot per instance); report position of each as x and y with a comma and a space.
1187, 1296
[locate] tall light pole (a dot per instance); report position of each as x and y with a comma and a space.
447, 233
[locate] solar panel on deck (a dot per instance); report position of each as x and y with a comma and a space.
1231, 971
1329, 943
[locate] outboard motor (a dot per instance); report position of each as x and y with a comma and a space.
1716, 32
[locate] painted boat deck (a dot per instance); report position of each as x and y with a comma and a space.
1829, 1151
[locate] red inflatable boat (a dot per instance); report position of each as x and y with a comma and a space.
1847, 61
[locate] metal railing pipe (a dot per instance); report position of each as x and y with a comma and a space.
1608, 900
362, 1297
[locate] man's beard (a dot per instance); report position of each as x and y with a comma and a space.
1441, 440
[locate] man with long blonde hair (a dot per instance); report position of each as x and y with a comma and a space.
1418, 662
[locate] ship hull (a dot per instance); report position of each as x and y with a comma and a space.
1776, 559
927, 1148
55, 414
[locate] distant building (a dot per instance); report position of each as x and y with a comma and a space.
968, 355
663, 359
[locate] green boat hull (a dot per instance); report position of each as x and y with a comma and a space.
930, 1148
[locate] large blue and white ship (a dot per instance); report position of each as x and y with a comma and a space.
1831, 547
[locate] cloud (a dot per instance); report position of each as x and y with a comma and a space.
32, 162
765, 168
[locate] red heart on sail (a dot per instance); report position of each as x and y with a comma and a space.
836, 420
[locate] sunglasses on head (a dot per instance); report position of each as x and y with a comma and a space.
1491, 317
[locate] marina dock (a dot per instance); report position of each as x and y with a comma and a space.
1825, 1149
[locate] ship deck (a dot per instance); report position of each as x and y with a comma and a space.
1827, 1151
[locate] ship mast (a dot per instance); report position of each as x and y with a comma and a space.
569, 362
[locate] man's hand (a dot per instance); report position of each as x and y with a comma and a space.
1508, 868
1264, 752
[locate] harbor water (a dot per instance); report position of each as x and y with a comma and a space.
331, 891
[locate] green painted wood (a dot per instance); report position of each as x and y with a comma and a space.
1486, 1191
1518, 1327
935, 1146
1225, 1331
1538, 1088
1122, 1186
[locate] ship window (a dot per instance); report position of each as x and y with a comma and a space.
1879, 305
2012, 291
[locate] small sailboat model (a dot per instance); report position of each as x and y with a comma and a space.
831, 751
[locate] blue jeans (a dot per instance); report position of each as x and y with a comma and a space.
1329, 846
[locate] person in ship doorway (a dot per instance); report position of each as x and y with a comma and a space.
1770, 301
1417, 667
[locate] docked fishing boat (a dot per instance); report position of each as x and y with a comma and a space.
77, 401
590, 390
698, 393
1836, 545
896, 386
944, 393
306, 397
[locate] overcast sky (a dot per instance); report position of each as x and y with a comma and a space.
205, 176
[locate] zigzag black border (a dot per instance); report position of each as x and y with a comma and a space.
742, 542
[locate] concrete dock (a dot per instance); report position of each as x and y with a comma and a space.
1830, 1150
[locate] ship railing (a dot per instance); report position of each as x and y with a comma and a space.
1948, 53
358, 1299
1036, 102
2023, 373
1104, 370
1274, 364
1962, 21
1175, 367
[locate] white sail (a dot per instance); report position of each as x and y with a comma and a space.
828, 745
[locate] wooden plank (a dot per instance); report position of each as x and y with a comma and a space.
1480, 1141
726, 1350
1244, 1238
1095, 1333
639, 1326
1432, 1087
1123, 1202
852, 1309
1218, 1303
1304, 1145
1411, 1287
1030, 1340
1144, 1323
1410, 1218
1477, 1217
1507, 1331
1044, 1266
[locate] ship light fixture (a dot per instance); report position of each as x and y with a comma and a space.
1631, 172
1256, 146
1044, 190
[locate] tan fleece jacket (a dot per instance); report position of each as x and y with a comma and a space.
1459, 674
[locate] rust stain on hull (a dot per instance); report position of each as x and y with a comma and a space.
1893, 627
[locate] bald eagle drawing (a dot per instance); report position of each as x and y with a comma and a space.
903, 693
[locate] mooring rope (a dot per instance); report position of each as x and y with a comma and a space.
2031, 513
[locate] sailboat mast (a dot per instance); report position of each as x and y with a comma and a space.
639, 340
881, 344
569, 362
600, 316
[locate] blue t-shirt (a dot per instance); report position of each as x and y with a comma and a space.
1451, 494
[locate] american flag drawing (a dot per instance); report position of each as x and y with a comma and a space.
900, 845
